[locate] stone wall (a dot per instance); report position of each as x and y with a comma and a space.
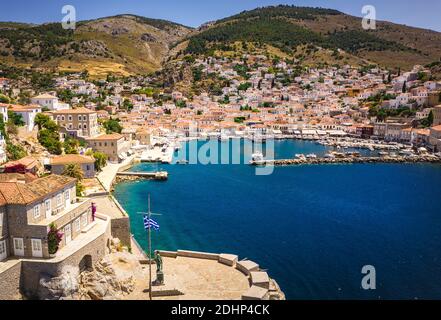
10, 282
121, 230
33, 270
121, 226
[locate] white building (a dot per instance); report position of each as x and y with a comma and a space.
50, 102
28, 114
423, 114
4, 112
3, 156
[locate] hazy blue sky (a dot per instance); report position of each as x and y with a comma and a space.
422, 13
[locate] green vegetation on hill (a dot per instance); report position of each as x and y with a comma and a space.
289, 28
272, 27
277, 32
157, 23
355, 40
14, 151
46, 40
48, 134
292, 12
112, 126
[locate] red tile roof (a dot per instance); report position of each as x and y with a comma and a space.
71, 158
20, 193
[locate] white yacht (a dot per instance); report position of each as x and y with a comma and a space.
407, 152
256, 157
224, 137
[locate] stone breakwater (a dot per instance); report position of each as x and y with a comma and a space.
136, 176
349, 160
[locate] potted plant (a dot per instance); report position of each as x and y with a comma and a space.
54, 238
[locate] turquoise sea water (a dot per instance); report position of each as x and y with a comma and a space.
312, 227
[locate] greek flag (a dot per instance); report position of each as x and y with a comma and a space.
150, 223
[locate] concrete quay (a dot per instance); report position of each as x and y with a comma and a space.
349, 160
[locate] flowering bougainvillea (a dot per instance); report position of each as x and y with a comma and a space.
54, 238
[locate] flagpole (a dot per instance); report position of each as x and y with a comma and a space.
150, 252
148, 224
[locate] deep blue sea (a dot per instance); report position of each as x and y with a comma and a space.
312, 227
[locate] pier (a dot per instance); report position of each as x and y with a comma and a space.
349, 160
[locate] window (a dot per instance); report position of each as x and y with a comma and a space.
70, 118
59, 200
47, 204
1, 219
3, 253
66, 195
36, 248
77, 225
37, 212
84, 219
18, 247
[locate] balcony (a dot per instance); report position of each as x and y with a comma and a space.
63, 215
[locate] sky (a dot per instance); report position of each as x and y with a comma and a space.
421, 13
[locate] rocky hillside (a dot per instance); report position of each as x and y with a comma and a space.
129, 44
124, 44
287, 27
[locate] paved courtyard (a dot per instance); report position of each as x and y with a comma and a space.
108, 207
198, 279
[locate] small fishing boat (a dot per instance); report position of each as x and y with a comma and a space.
330, 156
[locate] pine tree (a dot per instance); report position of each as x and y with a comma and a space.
430, 118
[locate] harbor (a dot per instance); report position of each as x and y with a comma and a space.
314, 205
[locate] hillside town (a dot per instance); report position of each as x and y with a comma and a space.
62, 148
260, 97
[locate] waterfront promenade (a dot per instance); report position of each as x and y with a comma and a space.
108, 174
